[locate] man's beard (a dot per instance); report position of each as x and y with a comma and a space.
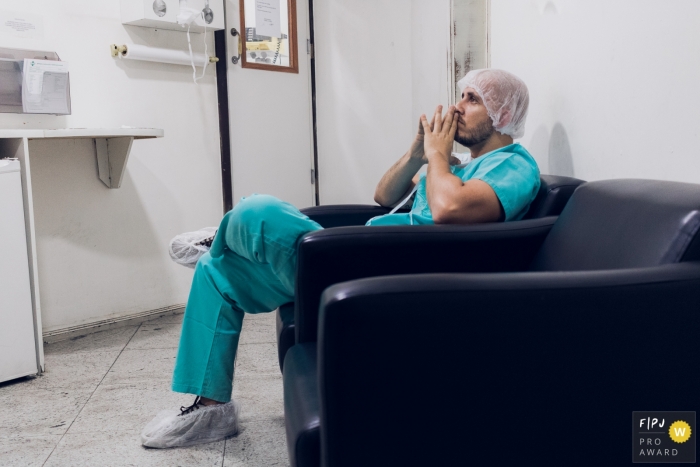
480, 134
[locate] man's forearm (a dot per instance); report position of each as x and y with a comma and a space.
441, 185
398, 179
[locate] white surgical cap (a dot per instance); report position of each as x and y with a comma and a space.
505, 96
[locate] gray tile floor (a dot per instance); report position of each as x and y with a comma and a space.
100, 390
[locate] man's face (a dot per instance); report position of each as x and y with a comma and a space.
474, 125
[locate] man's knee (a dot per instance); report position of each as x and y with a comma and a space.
206, 266
255, 208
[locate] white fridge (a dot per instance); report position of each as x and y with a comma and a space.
18, 350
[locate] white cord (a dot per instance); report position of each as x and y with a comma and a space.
206, 53
405, 200
189, 44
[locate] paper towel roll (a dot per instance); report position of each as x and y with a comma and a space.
153, 54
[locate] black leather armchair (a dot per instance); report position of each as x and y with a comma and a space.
353, 252
543, 365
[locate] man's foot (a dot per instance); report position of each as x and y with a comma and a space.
204, 421
198, 402
205, 401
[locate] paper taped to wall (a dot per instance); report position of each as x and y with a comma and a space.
45, 87
267, 18
23, 25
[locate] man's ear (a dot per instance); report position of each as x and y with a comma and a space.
505, 119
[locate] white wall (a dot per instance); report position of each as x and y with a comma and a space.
379, 65
613, 84
430, 58
103, 253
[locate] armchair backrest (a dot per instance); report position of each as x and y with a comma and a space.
552, 196
613, 224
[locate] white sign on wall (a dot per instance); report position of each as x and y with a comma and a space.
23, 25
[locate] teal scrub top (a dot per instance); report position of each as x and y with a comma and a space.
511, 171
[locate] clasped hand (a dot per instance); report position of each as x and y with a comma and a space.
435, 139
439, 137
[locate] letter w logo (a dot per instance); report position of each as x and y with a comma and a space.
679, 431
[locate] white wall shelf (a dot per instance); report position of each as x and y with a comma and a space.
138, 133
112, 147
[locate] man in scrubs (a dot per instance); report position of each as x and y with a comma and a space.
250, 267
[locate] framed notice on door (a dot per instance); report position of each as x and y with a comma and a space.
269, 35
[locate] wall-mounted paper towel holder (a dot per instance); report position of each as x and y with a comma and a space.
154, 54
117, 49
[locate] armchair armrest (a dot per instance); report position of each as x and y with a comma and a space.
555, 353
301, 406
327, 257
340, 215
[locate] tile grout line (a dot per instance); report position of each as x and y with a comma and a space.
91, 394
223, 455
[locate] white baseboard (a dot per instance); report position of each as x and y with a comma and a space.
111, 323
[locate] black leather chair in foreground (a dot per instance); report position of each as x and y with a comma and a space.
543, 365
352, 253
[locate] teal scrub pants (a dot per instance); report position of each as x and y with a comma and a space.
249, 269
